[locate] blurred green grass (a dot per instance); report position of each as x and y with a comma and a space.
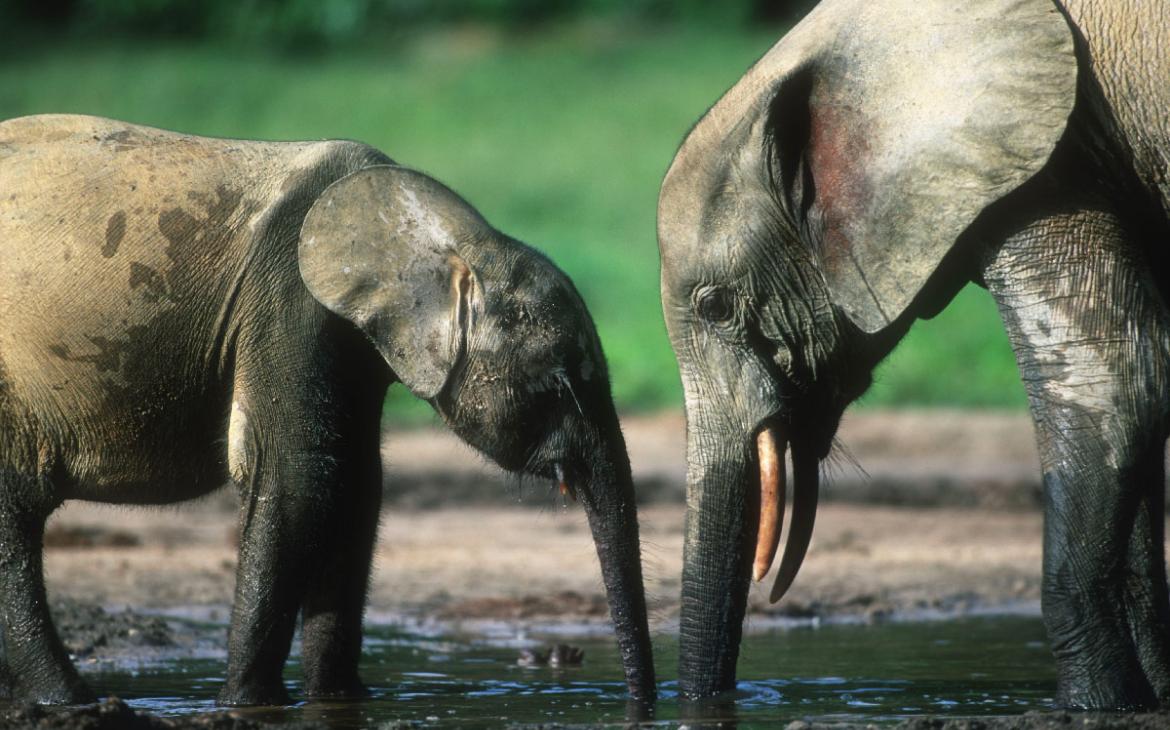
961, 358
559, 137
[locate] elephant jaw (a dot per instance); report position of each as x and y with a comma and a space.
771, 444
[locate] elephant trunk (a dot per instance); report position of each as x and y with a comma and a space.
608, 497
735, 495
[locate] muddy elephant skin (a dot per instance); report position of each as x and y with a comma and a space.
878, 158
178, 311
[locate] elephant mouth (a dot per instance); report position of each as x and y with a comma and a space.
765, 515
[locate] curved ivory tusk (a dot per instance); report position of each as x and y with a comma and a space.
770, 447
804, 513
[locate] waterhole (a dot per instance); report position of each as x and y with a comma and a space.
966, 667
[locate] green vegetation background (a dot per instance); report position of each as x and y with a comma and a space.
559, 131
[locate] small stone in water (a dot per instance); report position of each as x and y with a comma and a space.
560, 655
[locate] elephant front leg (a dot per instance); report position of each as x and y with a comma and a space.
331, 633
1087, 590
269, 584
309, 465
1147, 598
288, 502
1090, 335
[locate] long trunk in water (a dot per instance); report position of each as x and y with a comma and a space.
610, 507
735, 500
715, 574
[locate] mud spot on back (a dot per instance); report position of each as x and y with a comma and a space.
108, 356
192, 239
153, 283
115, 232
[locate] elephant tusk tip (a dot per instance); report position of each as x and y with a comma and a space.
777, 593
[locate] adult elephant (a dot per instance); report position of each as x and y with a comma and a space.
875, 160
177, 309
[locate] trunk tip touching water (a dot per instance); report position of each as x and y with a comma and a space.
610, 508
735, 512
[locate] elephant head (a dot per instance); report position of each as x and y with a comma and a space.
498, 341
805, 222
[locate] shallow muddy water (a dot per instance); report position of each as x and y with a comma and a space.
975, 666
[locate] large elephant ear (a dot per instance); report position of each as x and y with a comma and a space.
379, 247
911, 117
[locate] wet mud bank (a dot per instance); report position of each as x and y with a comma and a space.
100, 640
113, 714
1027, 721
93, 635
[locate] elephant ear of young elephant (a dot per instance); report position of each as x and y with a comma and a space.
894, 124
379, 247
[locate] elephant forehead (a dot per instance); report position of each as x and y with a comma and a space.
712, 188
718, 246
539, 319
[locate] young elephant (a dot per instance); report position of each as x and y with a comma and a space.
162, 293
876, 159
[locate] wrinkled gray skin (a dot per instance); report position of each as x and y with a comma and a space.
176, 309
876, 159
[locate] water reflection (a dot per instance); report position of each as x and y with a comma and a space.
708, 714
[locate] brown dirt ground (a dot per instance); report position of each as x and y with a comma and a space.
465, 563
952, 530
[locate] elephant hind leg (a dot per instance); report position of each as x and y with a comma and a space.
36, 665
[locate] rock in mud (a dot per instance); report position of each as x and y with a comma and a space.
560, 655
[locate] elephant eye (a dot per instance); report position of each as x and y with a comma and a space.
715, 305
